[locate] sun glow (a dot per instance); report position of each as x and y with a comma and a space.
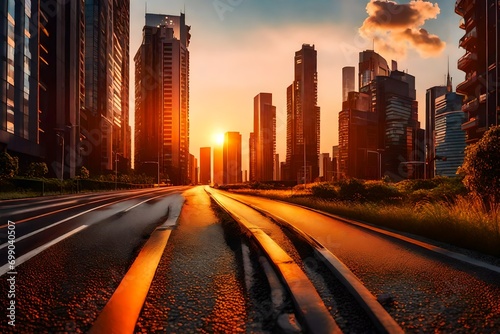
218, 138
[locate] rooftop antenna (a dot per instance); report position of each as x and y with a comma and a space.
449, 85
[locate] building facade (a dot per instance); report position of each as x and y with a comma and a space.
480, 64
217, 178
252, 162
205, 165
231, 168
162, 96
348, 81
264, 136
430, 127
450, 139
303, 119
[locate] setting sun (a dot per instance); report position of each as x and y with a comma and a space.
218, 138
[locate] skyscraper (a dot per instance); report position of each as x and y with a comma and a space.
264, 136
42, 90
105, 116
162, 96
480, 64
303, 119
371, 65
277, 168
430, 127
20, 128
449, 136
231, 167
348, 81
218, 165
205, 161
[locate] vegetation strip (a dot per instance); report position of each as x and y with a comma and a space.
306, 299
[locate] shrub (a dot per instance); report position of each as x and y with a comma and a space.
9, 166
352, 190
324, 191
37, 169
379, 191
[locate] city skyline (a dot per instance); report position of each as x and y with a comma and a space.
242, 64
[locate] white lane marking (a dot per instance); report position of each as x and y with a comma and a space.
134, 206
40, 249
56, 223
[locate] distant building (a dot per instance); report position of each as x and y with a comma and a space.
276, 167
325, 167
348, 81
450, 138
303, 119
252, 157
264, 136
162, 96
232, 172
205, 162
430, 127
371, 65
358, 138
480, 64
193, 170
335, 162
218, 165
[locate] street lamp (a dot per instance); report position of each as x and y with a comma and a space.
62, 156
116, 170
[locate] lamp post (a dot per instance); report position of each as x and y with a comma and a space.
379, 162
62, 156
116, 170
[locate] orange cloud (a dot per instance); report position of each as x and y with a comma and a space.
397, 27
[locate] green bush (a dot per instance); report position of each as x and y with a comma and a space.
37, 169
379, 191
325, 191
352, 190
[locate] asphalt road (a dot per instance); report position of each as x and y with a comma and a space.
426, 290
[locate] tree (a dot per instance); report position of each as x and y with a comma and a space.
37, 169
9, 165
481, 167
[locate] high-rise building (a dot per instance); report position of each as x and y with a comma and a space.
264, 136
325, 167
303, 119
218, 165
205, 162
42, 85
450, 138
162, 96
252, 157
348, 81
430, 127
371, 65
232, 158
21, 25
105, 116
480, 64
358, 138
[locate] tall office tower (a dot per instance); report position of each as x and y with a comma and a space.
104, 119
371, 65
62, 74
430, 127
276, 168
252, 157
450, 138
218, 165
205, 162
303, 119
358, 150
400, 139
265, 136
480, 64
162, 96
348, 81
232, 158
20, 56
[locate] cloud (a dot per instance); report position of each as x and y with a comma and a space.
397, 27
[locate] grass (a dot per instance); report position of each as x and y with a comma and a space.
463, 222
